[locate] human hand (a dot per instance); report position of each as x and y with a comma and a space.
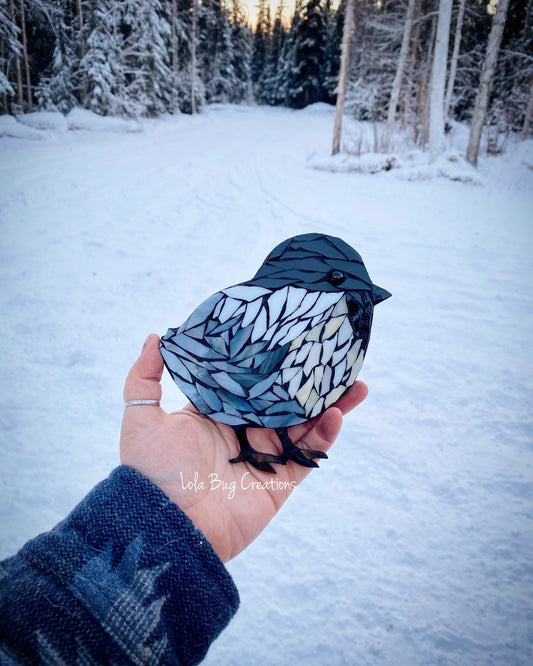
186, 454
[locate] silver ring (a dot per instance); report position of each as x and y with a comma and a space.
131, 403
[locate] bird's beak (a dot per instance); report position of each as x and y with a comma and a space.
379, 294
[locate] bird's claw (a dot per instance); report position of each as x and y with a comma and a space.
259, 460
303, 457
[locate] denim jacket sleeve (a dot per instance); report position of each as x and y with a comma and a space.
126, 578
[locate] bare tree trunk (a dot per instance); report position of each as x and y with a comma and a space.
193, 59
485, 83
18, 69
343, 76
455, 58
174, 37
407, 110
26, 61
396, 85
528, 114
422, 104
438, 81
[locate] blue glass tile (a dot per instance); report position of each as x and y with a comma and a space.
262, 386
249, 350
218, 344
275, 304
260, 325
173, 363
210, 397
197, 332
259, 405
230, 306
280, 392
235, 401
203, 311
239, 340
252, 417
229, 409
260, 358
252, 310
273, 360
193, 395
225, 381
200, 373
283, 420
246, 379
228, 419
284, 407
269, 396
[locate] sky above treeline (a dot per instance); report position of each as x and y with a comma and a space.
251, 7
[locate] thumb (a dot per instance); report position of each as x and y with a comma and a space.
143, 379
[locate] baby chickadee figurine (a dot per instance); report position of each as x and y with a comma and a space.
282, 347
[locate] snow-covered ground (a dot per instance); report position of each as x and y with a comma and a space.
413, 544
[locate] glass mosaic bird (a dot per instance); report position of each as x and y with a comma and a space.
282, 347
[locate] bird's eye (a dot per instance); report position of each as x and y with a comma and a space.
336, 278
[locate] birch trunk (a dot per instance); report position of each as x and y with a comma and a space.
422, 103
343, 75
396, 85
407, 112
529, 113
485, 83
438, 81
455, 58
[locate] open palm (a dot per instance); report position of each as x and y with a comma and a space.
186, 454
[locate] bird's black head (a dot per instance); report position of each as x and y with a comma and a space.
322, 263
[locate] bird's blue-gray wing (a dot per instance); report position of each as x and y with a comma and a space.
255, 356
220, 357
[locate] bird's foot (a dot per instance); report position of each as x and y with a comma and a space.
259, 460
255, 458
302, 456
295, 453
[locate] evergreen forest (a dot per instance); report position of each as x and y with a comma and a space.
143, 58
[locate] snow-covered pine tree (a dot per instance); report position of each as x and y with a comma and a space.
332, 51
148, 57
270, 79
305, 84
9, 46
241, 49
260, 48
103, 65
59, 85
17, 55
216, 49
288, 58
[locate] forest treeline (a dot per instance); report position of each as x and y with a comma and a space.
147, 57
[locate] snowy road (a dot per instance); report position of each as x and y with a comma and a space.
412, 545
